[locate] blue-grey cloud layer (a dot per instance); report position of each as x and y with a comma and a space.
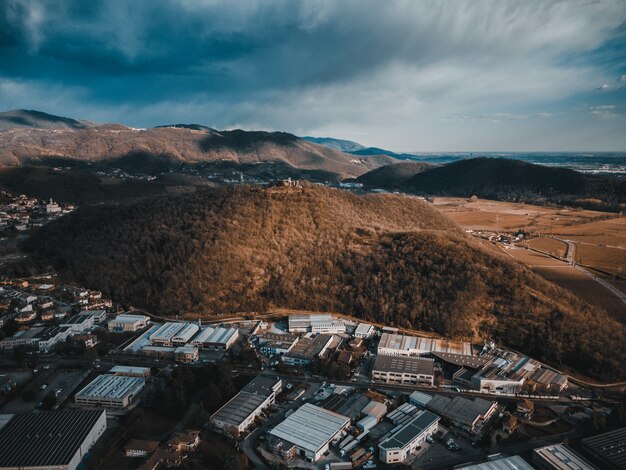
411, 75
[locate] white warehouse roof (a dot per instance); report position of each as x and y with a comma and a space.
112, 386
186, 332
166, 331
310, 427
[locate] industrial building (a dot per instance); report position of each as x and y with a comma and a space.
165, 334
184, 334
315, 323
217, 339
420, 399
128, 322
130, 371
404, 439
307, 349
609, 449
364, 330
508, 463
308, 431
392, 344
56, 440
559, 457
272, 344
42, 338
505, 374
467, 413
110, 391
238, 414
79, 323
404, 370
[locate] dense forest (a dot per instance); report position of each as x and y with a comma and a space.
381, 257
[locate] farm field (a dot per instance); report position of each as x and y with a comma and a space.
548, 245
606, 258
487, 215
585, 288
599, 239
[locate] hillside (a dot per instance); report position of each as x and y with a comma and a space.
394, 175
381, 257
30, 119
37, 137
507, 179
337, 144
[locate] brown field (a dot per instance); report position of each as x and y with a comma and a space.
606, 258
534, 259
585, 288
487, 215
548, 245
599, 237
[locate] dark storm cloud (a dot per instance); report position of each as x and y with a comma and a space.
320, 64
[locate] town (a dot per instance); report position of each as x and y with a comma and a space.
285, 389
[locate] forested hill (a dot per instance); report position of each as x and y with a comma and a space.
506, 178
382, 257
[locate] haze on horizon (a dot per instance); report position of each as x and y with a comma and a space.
409, 76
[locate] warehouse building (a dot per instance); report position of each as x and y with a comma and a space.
309, 430
404, 439
306, 350
239, 413
315, 323
51, 336
364, 330
609, 449
56, 440
216, 339
110, 391
420, 399
128, 322
404, 370
42, 338
392, 344
184, 334
272, 344
164, 335
559, 457
467, 413
79, 323
130, 371
505, 374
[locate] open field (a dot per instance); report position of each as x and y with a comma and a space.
534, 259
586, 288
599, 240
606, 258
487, 215
548, 245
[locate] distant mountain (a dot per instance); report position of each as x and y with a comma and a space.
30, 119
63, 138
387, 258
337, 144
357, 149
506, 178
394, 175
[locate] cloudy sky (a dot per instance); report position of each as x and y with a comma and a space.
405, 75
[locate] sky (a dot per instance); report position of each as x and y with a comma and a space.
406, 75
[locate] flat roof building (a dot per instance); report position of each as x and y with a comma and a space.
392, 344
559, 457
404, 370
110, 391
609, 448
364, 330
465, 412
130, 371
79, 323
128, 322
238, 414
404, 439
311, 429
54, 439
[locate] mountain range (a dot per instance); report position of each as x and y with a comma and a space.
32, 137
